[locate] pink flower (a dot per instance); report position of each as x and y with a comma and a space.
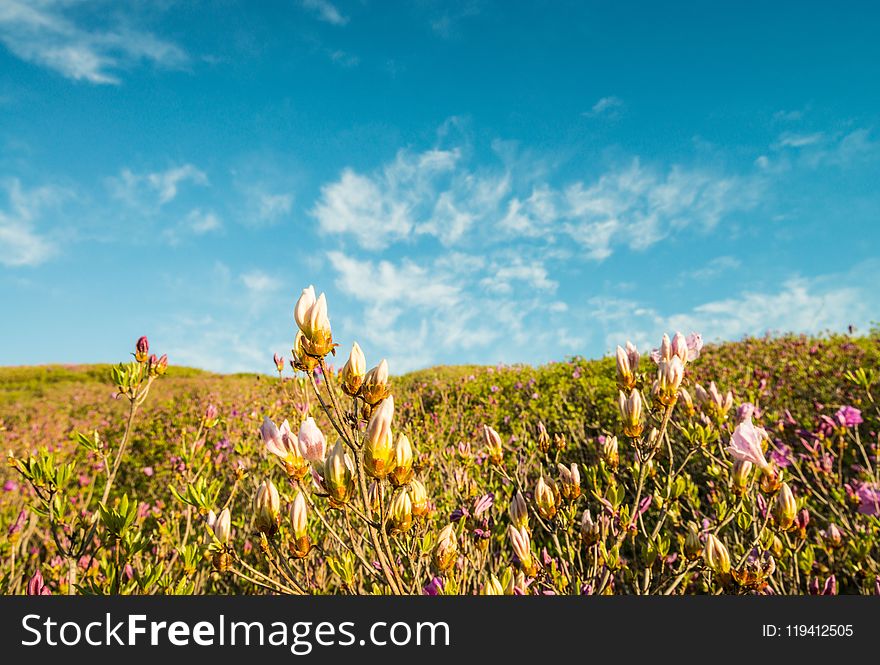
848, 416
312, 443
869, 499
36, 587
148, 471
745, 445
278, 441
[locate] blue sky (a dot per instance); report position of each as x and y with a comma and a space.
467, 181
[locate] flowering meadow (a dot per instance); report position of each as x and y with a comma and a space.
742, 468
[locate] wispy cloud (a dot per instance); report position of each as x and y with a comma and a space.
606, 106
43, 32
438, 193
325, 11
197, 222
162, 186
21, 243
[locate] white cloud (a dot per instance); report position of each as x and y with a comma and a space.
325, 11
606, 105
41, 32
800, 305
197, 222
259, 283
795, 140
162, 186
21, 244
437, 193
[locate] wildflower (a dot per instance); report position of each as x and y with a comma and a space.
687, 401
483, 503
569, 481
784, 509
400, 514
222, 526
267, 508
36, 586
716, 556
543, 438
434, 587
740, 475
301, 360
279, 362
311, 441
545, 499
832, 536
353, 371
339, 475
715, 404
446, 549
669, 377
379, 451
745, 445
869, 499
493, 444
419, 497
848, 416
375, 386
518, 510
693, 546
402, 471
631, 413
590, 530
522, 547
158, 366
142, 349
626, 373
280, 442
310, 314
610, 453
744, 412
299, 544
492, 587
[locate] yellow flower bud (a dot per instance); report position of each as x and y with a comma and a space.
419, 496
402, 472
446, 549
267, 508
631, 413
400, 513
716, 556
375, 387
379, 441
339, 475
494, 447
492, 587
545, 499
784, 510
353, 372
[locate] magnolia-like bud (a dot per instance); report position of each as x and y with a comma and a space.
278, 359
739, 476
669, 377
400, 513
784, 509
267, 508
590, 529
632, 354
545, 499
631, 413
626, 378
374, 497
158, 366
665, 348
494, 448
687, 402
419, 497
142, 349
339, 475
716, 556
492, 587
353, 371
311, 442
375, 386
446, 549
693, 546
301, 359
299, 516
610, 453
222, 526
518, 510
521, 544
402, 471
311, 317
300, 545
679, 348
379, 441
569, 481
559, 442
280, 442
833, 536
543, 438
